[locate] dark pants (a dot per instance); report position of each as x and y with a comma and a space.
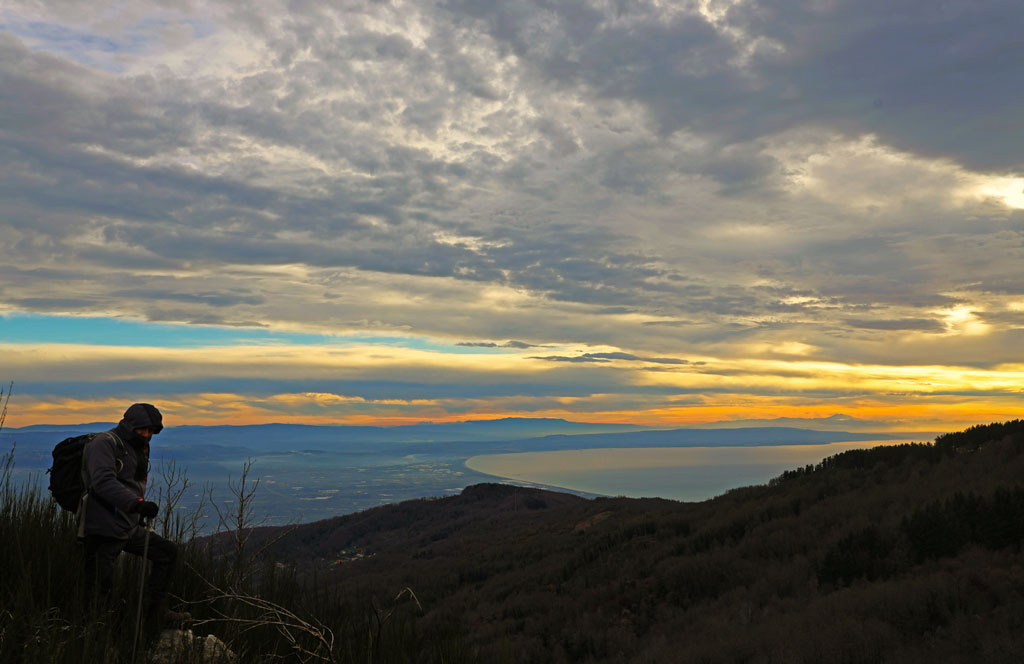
101, 552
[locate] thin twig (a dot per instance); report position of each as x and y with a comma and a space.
383, 619
290, 626
7, 400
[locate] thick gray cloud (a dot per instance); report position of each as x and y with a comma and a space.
923, 324
937, 81
644, 181
490, 344
608, 357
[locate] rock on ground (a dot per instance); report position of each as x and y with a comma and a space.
176, 645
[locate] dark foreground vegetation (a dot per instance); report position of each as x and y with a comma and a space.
910, 553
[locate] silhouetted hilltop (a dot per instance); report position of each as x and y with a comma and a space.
907, 553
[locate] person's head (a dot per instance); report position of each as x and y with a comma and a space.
144, 420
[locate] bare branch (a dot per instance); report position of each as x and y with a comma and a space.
174, 483
6, 400
382, 618
7, 460
293, 629
238, 522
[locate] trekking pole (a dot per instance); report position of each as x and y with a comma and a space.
146, 524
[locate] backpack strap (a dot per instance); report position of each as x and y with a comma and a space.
122, 447
89, 493
83, 500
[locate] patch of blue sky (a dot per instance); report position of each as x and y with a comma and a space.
104, 331
79, 45
61, 37
26, 328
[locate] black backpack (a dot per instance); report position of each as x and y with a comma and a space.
66, 484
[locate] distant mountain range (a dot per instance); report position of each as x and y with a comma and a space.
470, 430
258, 439
700, 437
500, 435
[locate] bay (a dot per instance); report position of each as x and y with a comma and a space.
677, 473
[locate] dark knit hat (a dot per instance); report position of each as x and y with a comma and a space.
142, 415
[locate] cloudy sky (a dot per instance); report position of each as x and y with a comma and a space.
657, 212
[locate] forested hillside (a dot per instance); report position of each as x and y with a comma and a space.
909, 553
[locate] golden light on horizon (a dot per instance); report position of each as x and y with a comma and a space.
784, 381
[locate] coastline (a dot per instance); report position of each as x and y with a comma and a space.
676, 473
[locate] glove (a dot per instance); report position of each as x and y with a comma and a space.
146, 509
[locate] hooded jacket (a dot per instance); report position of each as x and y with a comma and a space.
116, 468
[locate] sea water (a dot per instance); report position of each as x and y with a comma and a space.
678, 473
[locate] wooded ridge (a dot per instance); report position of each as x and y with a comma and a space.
907, 553
904, 553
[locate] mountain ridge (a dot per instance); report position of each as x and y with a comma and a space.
555, 433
